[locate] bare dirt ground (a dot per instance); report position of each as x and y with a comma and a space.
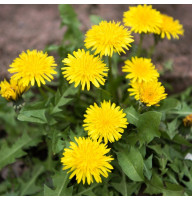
35, 26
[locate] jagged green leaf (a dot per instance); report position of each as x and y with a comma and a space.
30, 187
8, 154
131, 163
95, 19
132, 115
168, 104
69, 18
35, 116
183, 110
147, 123
68, 15
57, 142
148, 167
121, 187
148, 126
62, 99
83, 190
156, 186
60, 182
172, 128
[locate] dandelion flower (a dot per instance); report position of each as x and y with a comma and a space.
140, 69
170, 27
143, 19
13, 90
108, 37
188, 120
135, 90
33, 66
82, 67
106, 122
150, 93
87, 159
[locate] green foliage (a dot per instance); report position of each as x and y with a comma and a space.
149, 159
60, 182
168, 66
29, 187
148, 167
95, 19
36, 116
147, 124
132, 115
88, 191
156, 186
8, 154
169, 104
126, 188
61, 100
131, 163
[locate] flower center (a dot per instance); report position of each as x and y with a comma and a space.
141, 70
87, 160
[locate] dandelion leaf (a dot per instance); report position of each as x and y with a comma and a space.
8, 154
131, 163
60, 182
29, 187
148, 126
61, 100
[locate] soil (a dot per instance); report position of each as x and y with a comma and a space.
35, 26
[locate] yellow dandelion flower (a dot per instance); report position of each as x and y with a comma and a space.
82, 67
150, 93
143, 19
140, 69
135, 90
13, 90
170, 27
87, 159
188, 120
33, 66
108, 37
106, 122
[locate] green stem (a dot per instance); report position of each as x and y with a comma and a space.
140, 44
110, 68
124, 183
48, 89
42, 92
32, 181
140, 107
50, 154
88, 189
115, 71
61, 78
112, 86
152, 48
151, 51
79, 93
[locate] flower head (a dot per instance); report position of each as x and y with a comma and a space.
108, 37
106, 122
82, 67
170, 27
87, 159
143, 19
13, 90
33, 66
188, 120
140, 69
150, 93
